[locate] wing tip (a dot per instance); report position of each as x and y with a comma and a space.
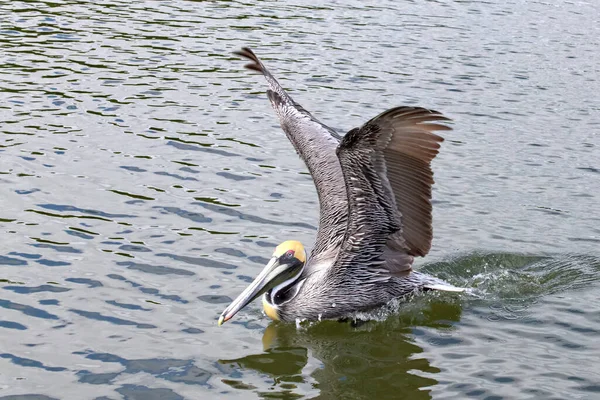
422, 114
256, 64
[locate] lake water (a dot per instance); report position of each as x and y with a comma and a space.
145, 180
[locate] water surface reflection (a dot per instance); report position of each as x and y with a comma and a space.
144, 179
375, 359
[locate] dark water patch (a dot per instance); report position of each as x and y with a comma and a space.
236, 140
27, 362
211, 231
192, 216
96, 213
258, 260
96, 378
52, 263
203, 261
27, 310
188, 147
176, 176
252, 218
57, 248
551, 338
234, 177
550, 211
238, 385
78, 234
590, 169
132, 168
139, 392
270, 363
578, 329
4, 260
37, 289
155, 269
252, 325
127, 306
27, 191
190, 170
579, 239
505, 379
24, 255
455, 356
135, 248
589, 388
131, 195
49, 302
442, 342
91, 283
193, 331
215, 299
113, 320
12, 325
157, 293
151, 291
262, 243
49, 214
230, 252
245, 278
174, 370
122, 278
215, 200
565, 376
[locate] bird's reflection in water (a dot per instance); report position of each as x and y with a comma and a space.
335, 360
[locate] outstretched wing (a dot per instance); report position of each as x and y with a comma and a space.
316, 144
386, 167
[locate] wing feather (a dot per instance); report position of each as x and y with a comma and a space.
387, 160
316, 143
375, 193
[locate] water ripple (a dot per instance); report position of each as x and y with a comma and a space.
27, 310
147, 181
26, 362
113, 320
155, 269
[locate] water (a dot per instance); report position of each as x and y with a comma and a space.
145, 181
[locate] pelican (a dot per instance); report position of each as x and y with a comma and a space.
374, 189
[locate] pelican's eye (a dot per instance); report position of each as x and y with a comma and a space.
289, 254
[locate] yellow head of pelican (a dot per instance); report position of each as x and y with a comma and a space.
283, 269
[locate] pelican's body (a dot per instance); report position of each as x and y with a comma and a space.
374, 188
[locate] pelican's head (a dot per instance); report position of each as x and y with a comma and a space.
281, 272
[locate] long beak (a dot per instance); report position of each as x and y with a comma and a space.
259, 286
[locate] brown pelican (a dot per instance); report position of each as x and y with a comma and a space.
374, 189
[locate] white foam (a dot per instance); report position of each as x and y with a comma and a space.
445, 288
